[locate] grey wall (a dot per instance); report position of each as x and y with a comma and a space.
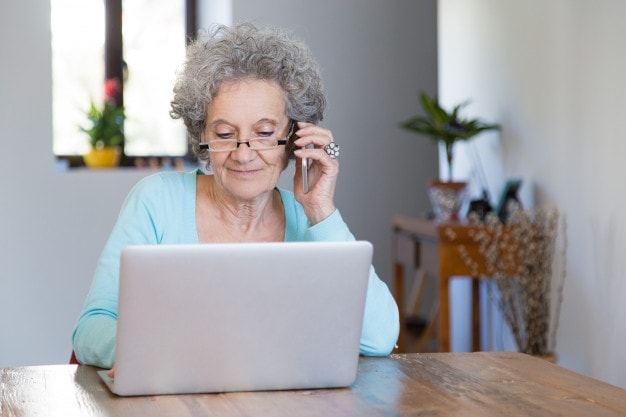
375, 56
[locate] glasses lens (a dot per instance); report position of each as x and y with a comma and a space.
222, 145
227, 145
263, 143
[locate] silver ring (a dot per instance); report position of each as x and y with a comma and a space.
332, 149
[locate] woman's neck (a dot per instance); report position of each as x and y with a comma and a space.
222, 218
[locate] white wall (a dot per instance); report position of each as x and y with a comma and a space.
375, 55
552, 73
52, 224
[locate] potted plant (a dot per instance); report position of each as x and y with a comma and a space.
106, 132
446, 127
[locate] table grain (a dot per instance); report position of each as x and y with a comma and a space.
421, 384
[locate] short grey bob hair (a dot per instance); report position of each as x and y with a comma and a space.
246, 51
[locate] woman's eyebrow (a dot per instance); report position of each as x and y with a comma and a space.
217, 122
226, 122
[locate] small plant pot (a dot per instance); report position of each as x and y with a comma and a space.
107, 157
447, 199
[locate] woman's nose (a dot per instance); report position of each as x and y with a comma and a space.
243, 153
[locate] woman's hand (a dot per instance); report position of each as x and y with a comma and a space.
319, 202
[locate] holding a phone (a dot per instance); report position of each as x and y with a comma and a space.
305, 172
316, 154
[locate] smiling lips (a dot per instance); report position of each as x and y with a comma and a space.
244, 173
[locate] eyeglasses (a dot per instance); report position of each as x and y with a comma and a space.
258, 144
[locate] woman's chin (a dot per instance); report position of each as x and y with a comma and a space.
249, 191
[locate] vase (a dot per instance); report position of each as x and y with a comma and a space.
106, 157
447, 198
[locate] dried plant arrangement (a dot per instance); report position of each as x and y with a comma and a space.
527, 283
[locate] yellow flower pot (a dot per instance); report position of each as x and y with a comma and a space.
107, 157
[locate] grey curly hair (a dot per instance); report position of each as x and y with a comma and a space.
246, 51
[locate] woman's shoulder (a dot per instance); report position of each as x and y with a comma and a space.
166, 185
166, 179
290, 203
287, 195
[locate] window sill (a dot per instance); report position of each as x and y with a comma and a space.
164, 163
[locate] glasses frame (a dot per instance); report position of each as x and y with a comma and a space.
207, 145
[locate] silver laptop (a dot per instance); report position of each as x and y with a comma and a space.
239, 317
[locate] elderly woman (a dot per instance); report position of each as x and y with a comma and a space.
251, 99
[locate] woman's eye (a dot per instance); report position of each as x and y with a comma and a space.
265, 134
224, 135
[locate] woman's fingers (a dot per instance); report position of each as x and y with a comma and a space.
308, 133
318, 202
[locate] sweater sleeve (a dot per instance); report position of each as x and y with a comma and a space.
381, 320
139, 222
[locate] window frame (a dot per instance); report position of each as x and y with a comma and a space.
114, 68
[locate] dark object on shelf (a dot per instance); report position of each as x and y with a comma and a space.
507, 198
480, 206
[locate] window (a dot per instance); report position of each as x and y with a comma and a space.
139, 41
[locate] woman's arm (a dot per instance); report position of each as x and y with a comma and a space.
381, 321
141, 219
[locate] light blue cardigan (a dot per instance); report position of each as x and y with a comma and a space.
161, 210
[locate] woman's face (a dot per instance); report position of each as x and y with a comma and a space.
241, 110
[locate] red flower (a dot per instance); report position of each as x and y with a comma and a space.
111, 89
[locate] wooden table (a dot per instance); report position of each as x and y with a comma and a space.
439, 384
442, 242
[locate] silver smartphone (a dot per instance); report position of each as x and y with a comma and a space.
305, 172
305, 175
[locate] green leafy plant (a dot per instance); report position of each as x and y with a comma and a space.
107, 124
445, 126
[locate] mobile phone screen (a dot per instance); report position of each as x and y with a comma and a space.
305, 171
305, 175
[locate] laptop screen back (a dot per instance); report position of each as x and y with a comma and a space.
240, 317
